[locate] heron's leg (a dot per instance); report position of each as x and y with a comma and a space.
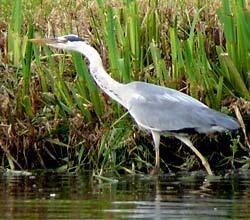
156, 137
187, 141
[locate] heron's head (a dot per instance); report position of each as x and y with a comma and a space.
73, 43
67, 42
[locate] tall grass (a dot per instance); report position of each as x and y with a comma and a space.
236, 61
14, 33
134, 42
59, 113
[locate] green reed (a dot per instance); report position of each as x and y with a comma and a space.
235, 59
61, 114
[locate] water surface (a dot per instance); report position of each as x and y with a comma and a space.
71, 196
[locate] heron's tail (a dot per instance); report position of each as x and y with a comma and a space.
217, 122
225, 121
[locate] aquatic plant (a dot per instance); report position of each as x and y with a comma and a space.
52, 114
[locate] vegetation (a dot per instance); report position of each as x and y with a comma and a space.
52, 115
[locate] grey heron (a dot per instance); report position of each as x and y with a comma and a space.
158, 109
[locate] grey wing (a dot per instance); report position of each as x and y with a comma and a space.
168, 110
164, 116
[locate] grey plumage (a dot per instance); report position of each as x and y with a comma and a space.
158, 109
168, 111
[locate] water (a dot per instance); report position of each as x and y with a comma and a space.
182, 196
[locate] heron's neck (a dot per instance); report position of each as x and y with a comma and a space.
103, 80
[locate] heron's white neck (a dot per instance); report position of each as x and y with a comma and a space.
102, 78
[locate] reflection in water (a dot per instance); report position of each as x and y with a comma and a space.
53, 196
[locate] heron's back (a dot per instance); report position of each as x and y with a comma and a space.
166, 110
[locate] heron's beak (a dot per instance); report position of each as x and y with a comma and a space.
47, 41
42, 41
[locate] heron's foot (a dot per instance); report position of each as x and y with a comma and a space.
203, 160
205, 163
207, 166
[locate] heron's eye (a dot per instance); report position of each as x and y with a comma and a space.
61, 40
